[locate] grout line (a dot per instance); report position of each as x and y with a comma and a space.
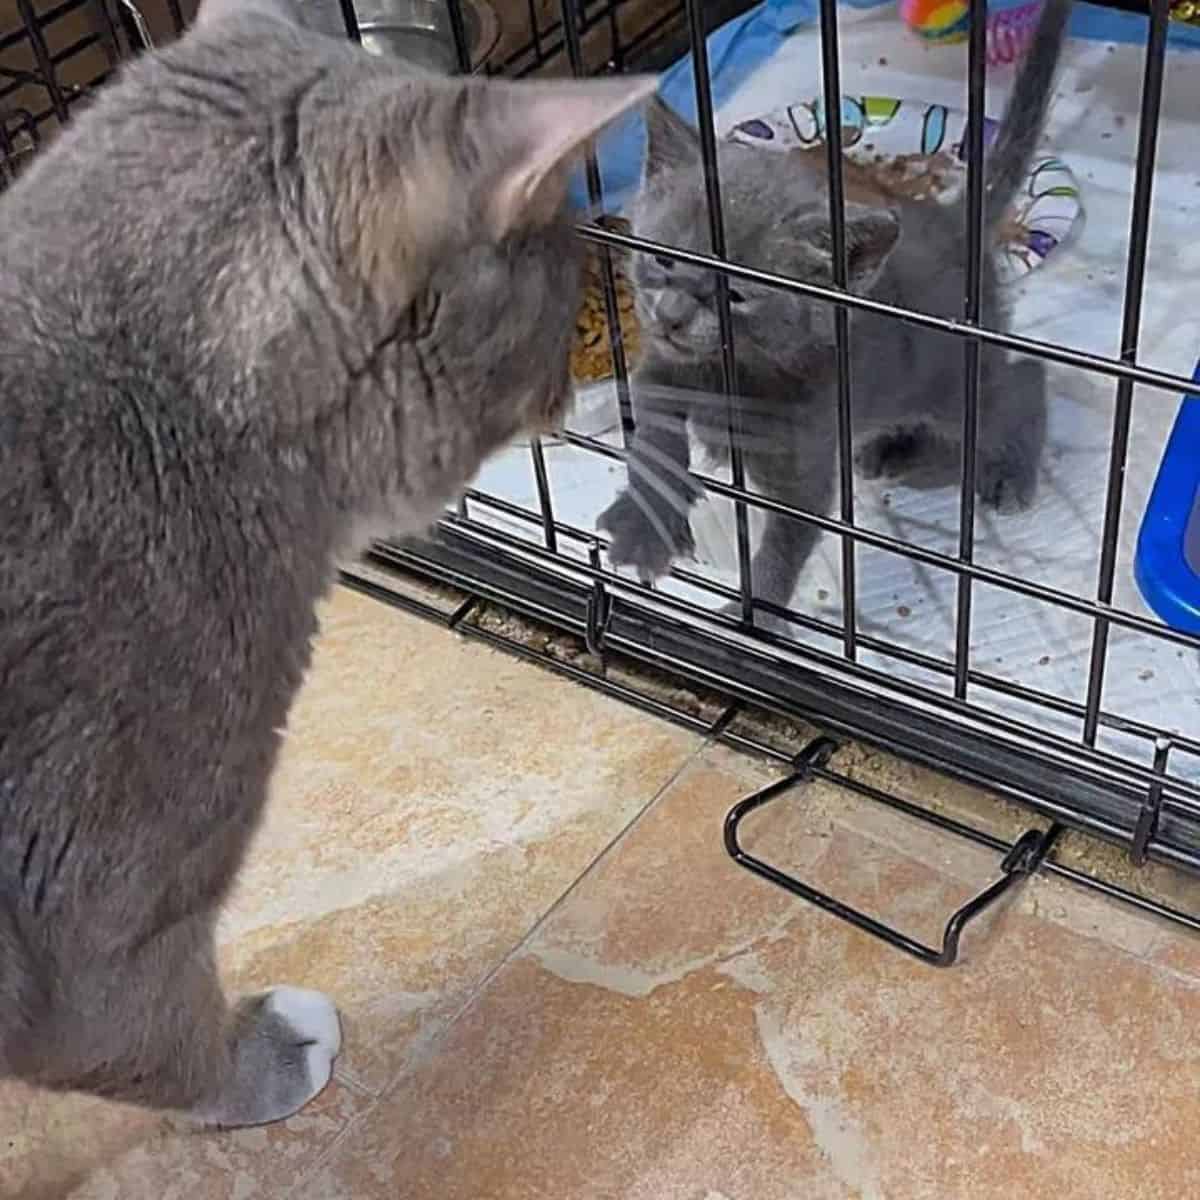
423, 1052
351, 1082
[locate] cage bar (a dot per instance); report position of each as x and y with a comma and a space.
716, 229
972, 299
831, 78
1135, 279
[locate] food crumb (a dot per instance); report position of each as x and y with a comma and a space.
883, 61
822, 594
1145, 674
904, 610
1044, 661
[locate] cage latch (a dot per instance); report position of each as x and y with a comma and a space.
1146, 829
599, 609
1022, 859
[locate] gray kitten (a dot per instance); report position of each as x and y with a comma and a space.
907, 381
266, 294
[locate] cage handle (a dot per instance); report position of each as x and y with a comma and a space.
1024, 857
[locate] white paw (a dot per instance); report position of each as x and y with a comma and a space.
314, 1018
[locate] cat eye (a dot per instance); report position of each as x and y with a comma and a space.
736, 297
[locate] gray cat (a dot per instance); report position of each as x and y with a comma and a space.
268, 293
907, 381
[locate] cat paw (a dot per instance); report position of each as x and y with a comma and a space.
649, 539
1006, 484
285, 1041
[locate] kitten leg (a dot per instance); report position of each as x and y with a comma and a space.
648, 523
805, 481
1012, 433
156, 1030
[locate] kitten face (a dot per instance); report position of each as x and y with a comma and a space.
676, 301
776, 220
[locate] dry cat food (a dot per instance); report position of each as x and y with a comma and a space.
591, 354
916, 176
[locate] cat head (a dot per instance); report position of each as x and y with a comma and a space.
424, 220
776, 218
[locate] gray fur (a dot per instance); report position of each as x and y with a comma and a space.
906, 382
267, 294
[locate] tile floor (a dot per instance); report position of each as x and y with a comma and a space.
556, 985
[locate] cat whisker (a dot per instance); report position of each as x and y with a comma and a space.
760, 443
651, 462
687, 399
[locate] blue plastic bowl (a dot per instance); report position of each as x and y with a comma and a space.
1167, 563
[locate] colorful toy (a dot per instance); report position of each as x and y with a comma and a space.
1009, 26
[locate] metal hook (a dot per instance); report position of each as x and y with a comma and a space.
1146, 829
139, 22
599, 609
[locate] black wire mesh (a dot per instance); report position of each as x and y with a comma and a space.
1148, 775
53, 55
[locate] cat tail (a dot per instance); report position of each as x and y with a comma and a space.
1016, 142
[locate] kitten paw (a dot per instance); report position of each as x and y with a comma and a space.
1005, 484
284, 1044
649, 539
889, 455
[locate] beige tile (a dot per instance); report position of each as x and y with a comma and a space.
435, 798
58, 1146
50, 1143
678, 1030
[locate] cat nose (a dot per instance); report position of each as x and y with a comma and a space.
676, 309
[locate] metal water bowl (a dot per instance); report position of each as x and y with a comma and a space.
419, 31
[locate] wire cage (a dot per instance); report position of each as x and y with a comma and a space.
1088, 759
1082, 759
1085, 751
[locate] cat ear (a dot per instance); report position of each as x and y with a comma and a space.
670, 141
871, 236
554, 124
212, 11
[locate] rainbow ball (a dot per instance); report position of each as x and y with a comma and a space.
936, 20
